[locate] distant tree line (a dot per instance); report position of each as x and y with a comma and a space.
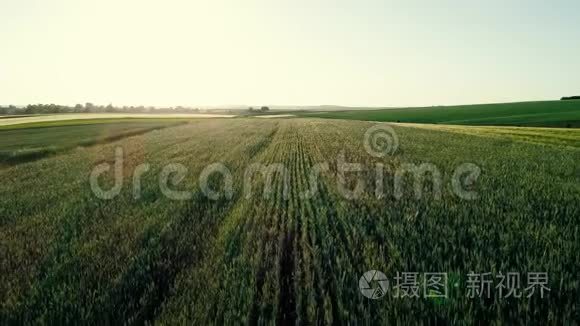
570, 98
262, 109
89, 108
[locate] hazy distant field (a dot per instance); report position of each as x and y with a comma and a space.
67, 256
546, 113
11, 120
553, 136
30, 141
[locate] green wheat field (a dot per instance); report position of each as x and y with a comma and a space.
69, 257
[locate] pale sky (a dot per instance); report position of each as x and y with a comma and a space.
302, 52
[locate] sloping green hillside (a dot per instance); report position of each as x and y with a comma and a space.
546, 113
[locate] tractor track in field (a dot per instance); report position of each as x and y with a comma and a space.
149, 316
271, 213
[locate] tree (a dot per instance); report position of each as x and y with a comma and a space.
78, 107
264, 109
251, 109
10, 109
570, 98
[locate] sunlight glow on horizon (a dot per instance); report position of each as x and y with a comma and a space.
357, 53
